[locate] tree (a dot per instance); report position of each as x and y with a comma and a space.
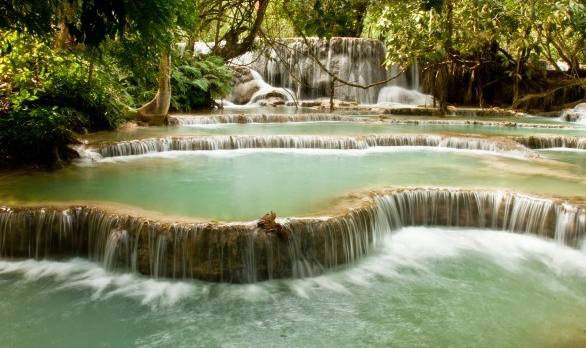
328, 18
89, 23
484, 41
231, 26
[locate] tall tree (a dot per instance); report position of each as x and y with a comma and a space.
327, 18
231, 26
454, 38
154, 24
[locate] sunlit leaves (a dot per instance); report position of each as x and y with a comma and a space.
543, 30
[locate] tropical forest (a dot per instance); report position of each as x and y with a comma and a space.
293, 173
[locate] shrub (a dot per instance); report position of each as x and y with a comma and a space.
46, 95
38, 136
196, 81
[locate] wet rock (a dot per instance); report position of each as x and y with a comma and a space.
575, 114
241, 74
412, 111
269, 225
310, 103
243, 92
272, 101
272, 97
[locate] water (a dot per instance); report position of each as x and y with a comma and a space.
399, 95
573, 157
377, 283
265, 89
422, 287
244, 184
351, 59
519, 147
324, 128
577, 114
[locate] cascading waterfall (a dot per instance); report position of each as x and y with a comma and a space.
404, 89
400, 95
293, 66
549, 142
265, 89
242, 252
577, 114
179, 120
154, 145
504, 124
194, 120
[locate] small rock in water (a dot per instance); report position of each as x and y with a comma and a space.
241, 119
267, 222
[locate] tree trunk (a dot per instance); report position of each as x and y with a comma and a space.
62, 36
444, 68
517, 79
443, 89
332, 92
157, 109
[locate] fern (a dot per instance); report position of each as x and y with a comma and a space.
197, 81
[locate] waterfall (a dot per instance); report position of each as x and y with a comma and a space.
180, 120
242, 252
265, 90
577, 114
505, 124
206, 143
403, 96
250, 88
404, 89
553, 141
292, 65
194, 120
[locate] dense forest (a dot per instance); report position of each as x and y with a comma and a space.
77, 66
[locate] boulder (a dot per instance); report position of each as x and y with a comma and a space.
241, 93
269, 225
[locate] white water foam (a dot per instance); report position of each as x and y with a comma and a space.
173, 155
396, 95
266, 89
562, 149
577, 114
417, 249
420, 248
84, 275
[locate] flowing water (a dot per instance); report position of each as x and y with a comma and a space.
214, 184
328, 128
421, 287
362, 270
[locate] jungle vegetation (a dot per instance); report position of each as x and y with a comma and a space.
74, 66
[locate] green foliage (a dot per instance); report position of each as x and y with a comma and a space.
529, 30
34, 15
34, 74
47, 94
39, 135
196, 81
125, 63
91, 22
327, 18
477, 42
